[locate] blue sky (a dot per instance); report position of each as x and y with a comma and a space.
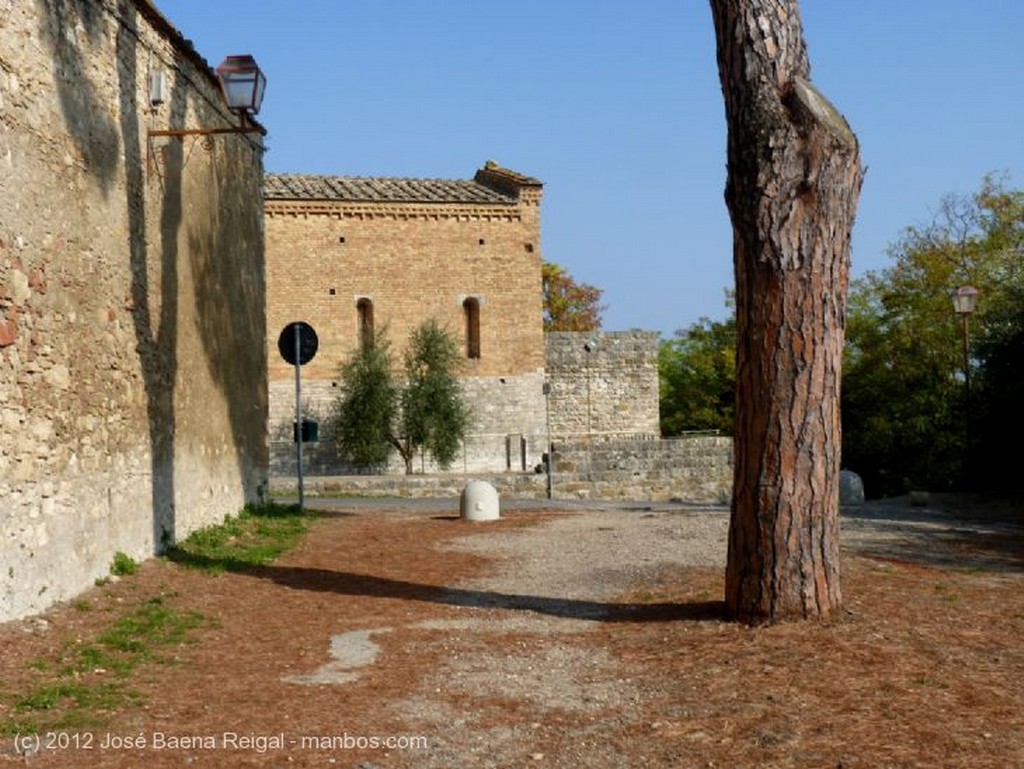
616, 106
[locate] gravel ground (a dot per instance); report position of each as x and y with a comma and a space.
525, 636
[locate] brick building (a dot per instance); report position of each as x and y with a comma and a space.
346, 254
132, 307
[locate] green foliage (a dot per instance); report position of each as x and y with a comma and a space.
257, 536
425, 412
123, 565
905, 408
568, 305
697, 376
434, 416
998, 408
362, 419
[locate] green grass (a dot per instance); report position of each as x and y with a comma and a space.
123, 565
255, 537
90, 678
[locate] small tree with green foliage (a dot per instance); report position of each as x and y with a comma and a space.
363, 415
375, 413
434, 416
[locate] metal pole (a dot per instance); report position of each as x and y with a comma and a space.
590, 460
298, 414
967, 402
550, 452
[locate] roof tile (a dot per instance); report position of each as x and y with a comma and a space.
380, 189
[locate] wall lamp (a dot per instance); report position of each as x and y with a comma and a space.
242, 84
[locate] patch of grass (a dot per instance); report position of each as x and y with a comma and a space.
123, 565
90, 678
257, 536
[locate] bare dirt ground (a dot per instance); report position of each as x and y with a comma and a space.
397, 636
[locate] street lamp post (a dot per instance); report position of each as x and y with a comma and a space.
589, 347
549, 454
965, 302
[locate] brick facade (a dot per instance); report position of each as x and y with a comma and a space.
410, 250
132, 308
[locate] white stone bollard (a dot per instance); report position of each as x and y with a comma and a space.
479, 502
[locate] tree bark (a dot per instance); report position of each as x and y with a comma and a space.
794, 177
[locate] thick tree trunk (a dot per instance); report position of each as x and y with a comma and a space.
794, 178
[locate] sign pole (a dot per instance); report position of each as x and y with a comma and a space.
297, 344
298, 411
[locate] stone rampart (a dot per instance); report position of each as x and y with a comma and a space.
603, 384
695, 469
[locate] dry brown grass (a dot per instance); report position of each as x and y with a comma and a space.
925, 668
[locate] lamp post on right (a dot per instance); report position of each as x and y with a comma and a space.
965, 302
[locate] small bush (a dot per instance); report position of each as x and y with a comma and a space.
123, 565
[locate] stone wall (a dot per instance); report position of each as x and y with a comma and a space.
507, 429
693, 469
132, 301
603, 385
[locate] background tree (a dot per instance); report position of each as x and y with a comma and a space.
904, 397
425, 412
697, 377
794, 177
363, 414
568, 305
434, 416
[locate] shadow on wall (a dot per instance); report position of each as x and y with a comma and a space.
232, 319
224, 304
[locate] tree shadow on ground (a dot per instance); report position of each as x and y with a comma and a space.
957, 539
370, 586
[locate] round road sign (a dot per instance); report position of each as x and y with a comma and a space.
307, 347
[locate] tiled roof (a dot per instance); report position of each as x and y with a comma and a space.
379, 189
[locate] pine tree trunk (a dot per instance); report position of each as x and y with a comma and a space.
794, 177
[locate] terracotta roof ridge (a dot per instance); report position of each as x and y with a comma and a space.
391, 189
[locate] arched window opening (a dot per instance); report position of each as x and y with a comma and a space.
471, 309
364, 311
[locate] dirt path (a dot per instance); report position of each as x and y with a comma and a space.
399, 638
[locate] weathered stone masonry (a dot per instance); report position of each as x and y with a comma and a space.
132, 302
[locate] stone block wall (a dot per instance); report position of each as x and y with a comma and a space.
132, 301
695, 469
603, 385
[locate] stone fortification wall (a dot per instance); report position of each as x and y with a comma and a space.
692, 469
695, 469
603, 385
608, 392
132, 302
